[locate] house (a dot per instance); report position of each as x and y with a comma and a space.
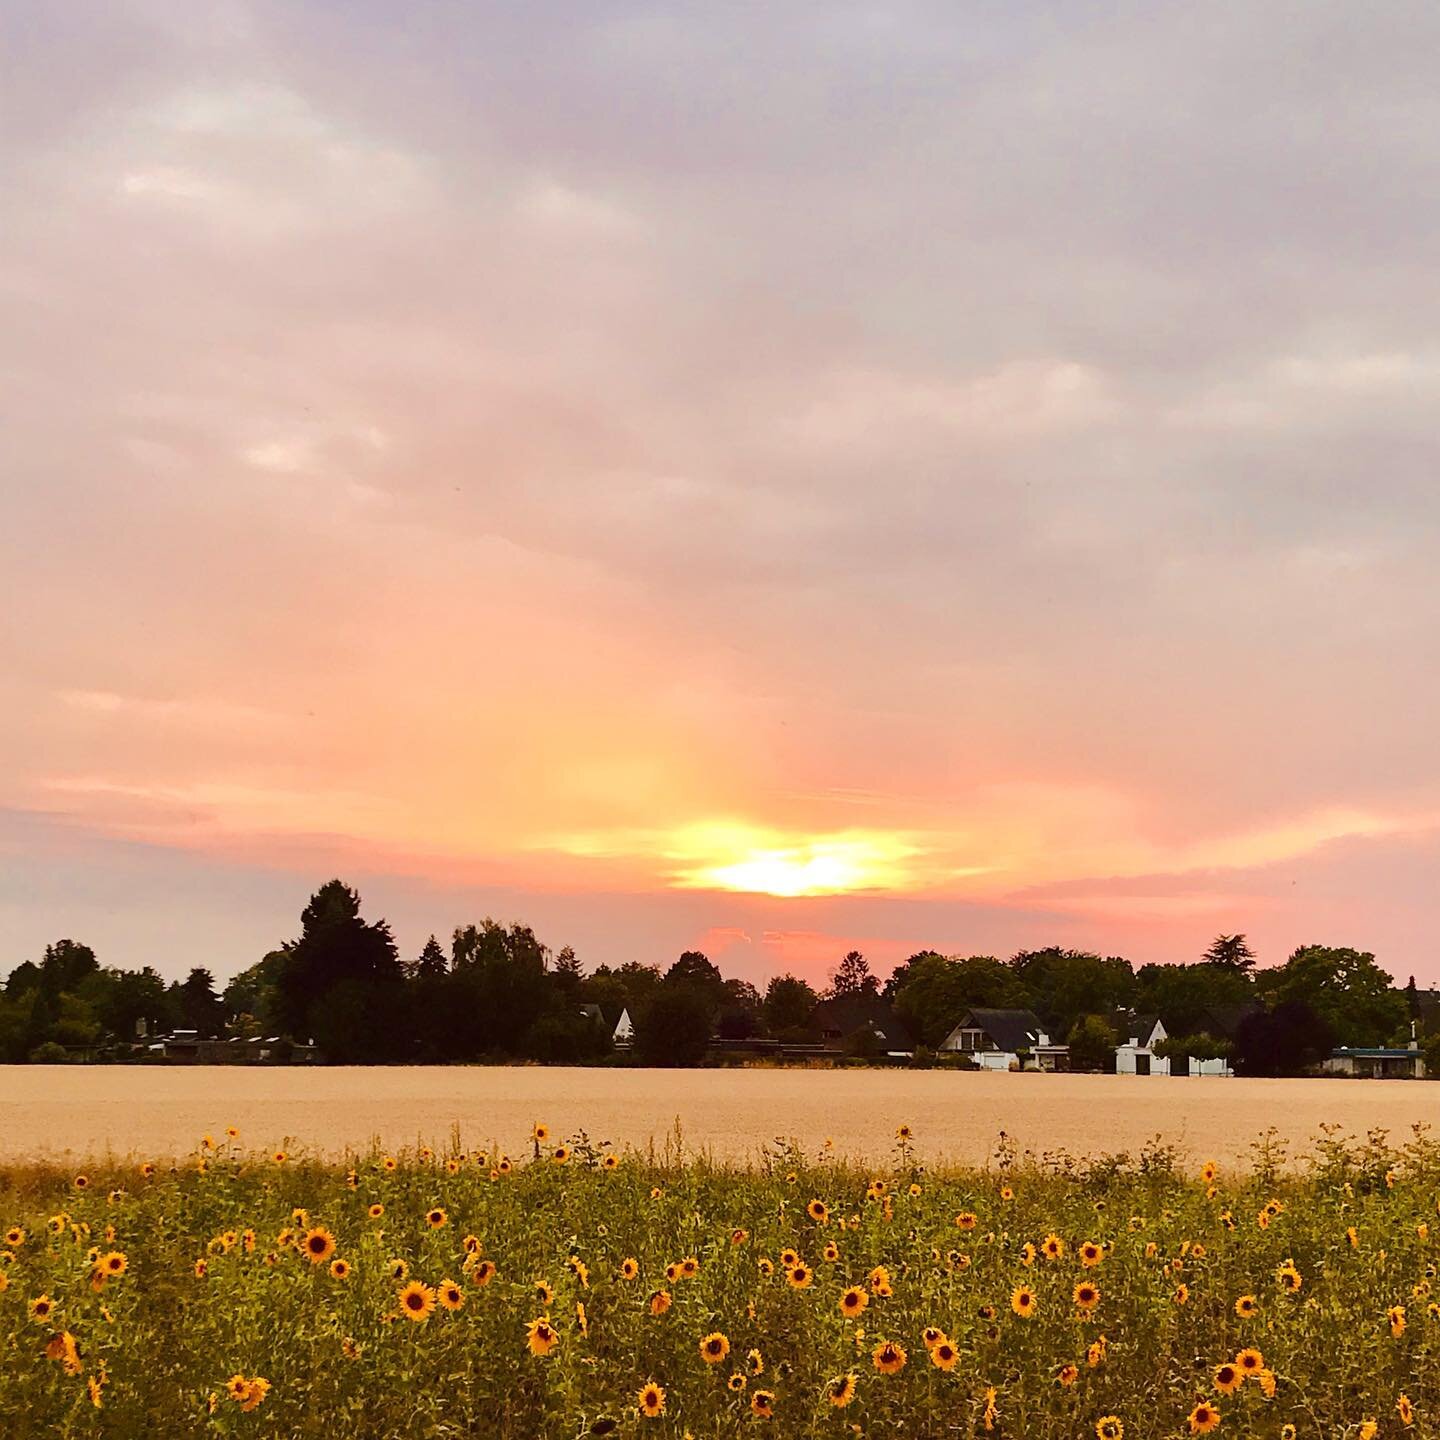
1383, 1063
1137, 1055
1220, 1023
624, 1031
1005, 1039
861, 1024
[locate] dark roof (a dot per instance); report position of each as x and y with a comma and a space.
1223, 1021
1141, 1026
1010, 1029
847, 1014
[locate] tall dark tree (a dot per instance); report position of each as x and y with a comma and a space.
852, 976
430, 963
341, 982
65, 965
673, 1028
1287, 1040
1232, 952
200, 1008
1347, 989
568, 973
1066, 984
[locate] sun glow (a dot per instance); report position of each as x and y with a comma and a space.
757, 862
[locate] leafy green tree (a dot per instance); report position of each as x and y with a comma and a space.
1092, 1044
788, 1005
1354, 997
1181, 994
937, 991
65, 965
251, 1002
673, 1027
1066, 984
201, 1009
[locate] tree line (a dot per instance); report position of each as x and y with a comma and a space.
497, 993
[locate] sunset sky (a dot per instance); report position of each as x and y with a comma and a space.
775, 479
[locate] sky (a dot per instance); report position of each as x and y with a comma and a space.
775, 479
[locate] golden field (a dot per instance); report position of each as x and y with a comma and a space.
558, 1286
78, 1111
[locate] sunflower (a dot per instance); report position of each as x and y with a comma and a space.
237, 1387
1204, 1418
561, 1155
659, 1302
112, 1263
340, 1269
1209, 1172
399, 1269
762, 1403
450, 1295
1052, 1247
1396, 1316
1246, 1306
1181, 1295
1023, 1302
318, 1245
629, 1268
853, 1301
1110, 1427
540, 1336
1249, 1362
202, 1269
1289, 1277
255, 1392
831, 1252
417, 1301
1091, 1253
714, 1348
944, 1356
904, 1132
1095, 1352
880, 1281
15, 1237
579, 1269
967, 1220
1087, 1296
147, 1171
800, 1277
376, 1211
689, 1268
1067, 1375
889, 1357
1287, 1432
93, 1389
1228, 1378
841, 1391
436, 1218
390, 1164
539, 1133
650, 1401
932, 1335
1367, 1431
1405, 1410
544, 1295
279, 1157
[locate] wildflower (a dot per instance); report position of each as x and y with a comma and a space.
800, 1277
841, 1391
1023, 1302
417, 1301
1249, 1362
756, 1361
966, 1220
659, 1302
399, 1269
1228, 1378
1289, 1277
93, 1389
831, 1252
932, 1336
944, 1356
610, 1162
889, 1357
1246, 1306
651, 1400
1110, 1427
449, 1294
762, 1403
1087, 1296
1405, 1410
854, 1301
112, 1264
436, 1218
1067, 1375
561, 1155
1052, 1247
1181, 1295
1204, 1418
258, 1389
629, 1268
318, 1245
340, 1269
1397, 1320
991, 1413
41, 1308
540, 1336
714, 1348
818, 1212
376, 1211
1091, 1253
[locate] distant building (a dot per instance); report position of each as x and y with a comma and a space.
624, 1032
1394, 1062
1004, 1040
1137, 1055
861, 1025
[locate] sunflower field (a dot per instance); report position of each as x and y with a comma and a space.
573, 1291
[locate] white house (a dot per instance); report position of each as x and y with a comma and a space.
624, 1030
1004, 1040
1137, 1055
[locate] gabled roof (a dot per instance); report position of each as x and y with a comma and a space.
1223, 1021
846, 1014
1139, 1027
1010, 1030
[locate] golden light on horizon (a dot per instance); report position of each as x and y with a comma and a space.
761, 862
